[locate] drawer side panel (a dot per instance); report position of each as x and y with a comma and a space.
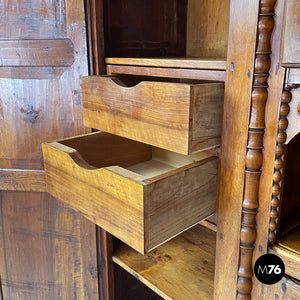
180, 201
108, 199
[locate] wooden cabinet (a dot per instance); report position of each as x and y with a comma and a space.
249, 49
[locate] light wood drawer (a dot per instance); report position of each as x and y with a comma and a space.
141, 194
177, 116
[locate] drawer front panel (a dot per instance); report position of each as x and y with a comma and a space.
179, 117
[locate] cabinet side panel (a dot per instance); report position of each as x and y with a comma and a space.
238, 87
207, 28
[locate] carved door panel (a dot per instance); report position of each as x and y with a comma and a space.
47, 251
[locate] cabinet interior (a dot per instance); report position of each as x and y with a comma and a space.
168, 39
179, 269
290, 206
169, 28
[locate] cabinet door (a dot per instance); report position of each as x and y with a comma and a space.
47, 251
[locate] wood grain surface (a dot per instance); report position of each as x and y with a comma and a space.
207, 28
182, 268
180, 117
201, 74
45, 109
271, 152
21, 53
22, 180
238, 89
290, 255
134, 205
47, 251
166, 62
43, 249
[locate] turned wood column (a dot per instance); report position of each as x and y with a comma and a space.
254, 154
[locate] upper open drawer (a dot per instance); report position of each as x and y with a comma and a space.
183, 117
141, 194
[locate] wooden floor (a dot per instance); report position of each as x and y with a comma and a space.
182, 268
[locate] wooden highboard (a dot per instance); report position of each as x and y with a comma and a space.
50, 251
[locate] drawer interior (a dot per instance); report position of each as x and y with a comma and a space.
141, 194
101, 150
163, 161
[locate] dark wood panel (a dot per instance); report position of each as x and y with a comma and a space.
47, 251
145, 28
290, 207
105, 265
95, 23
129, 288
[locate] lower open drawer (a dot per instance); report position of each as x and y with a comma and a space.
141, 194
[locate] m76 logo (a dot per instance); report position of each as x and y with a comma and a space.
269, 269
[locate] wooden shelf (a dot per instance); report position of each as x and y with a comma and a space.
292, 240
182, 268
191, 68
288, 248
185, 62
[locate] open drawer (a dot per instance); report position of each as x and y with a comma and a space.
183, 117
141, 194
